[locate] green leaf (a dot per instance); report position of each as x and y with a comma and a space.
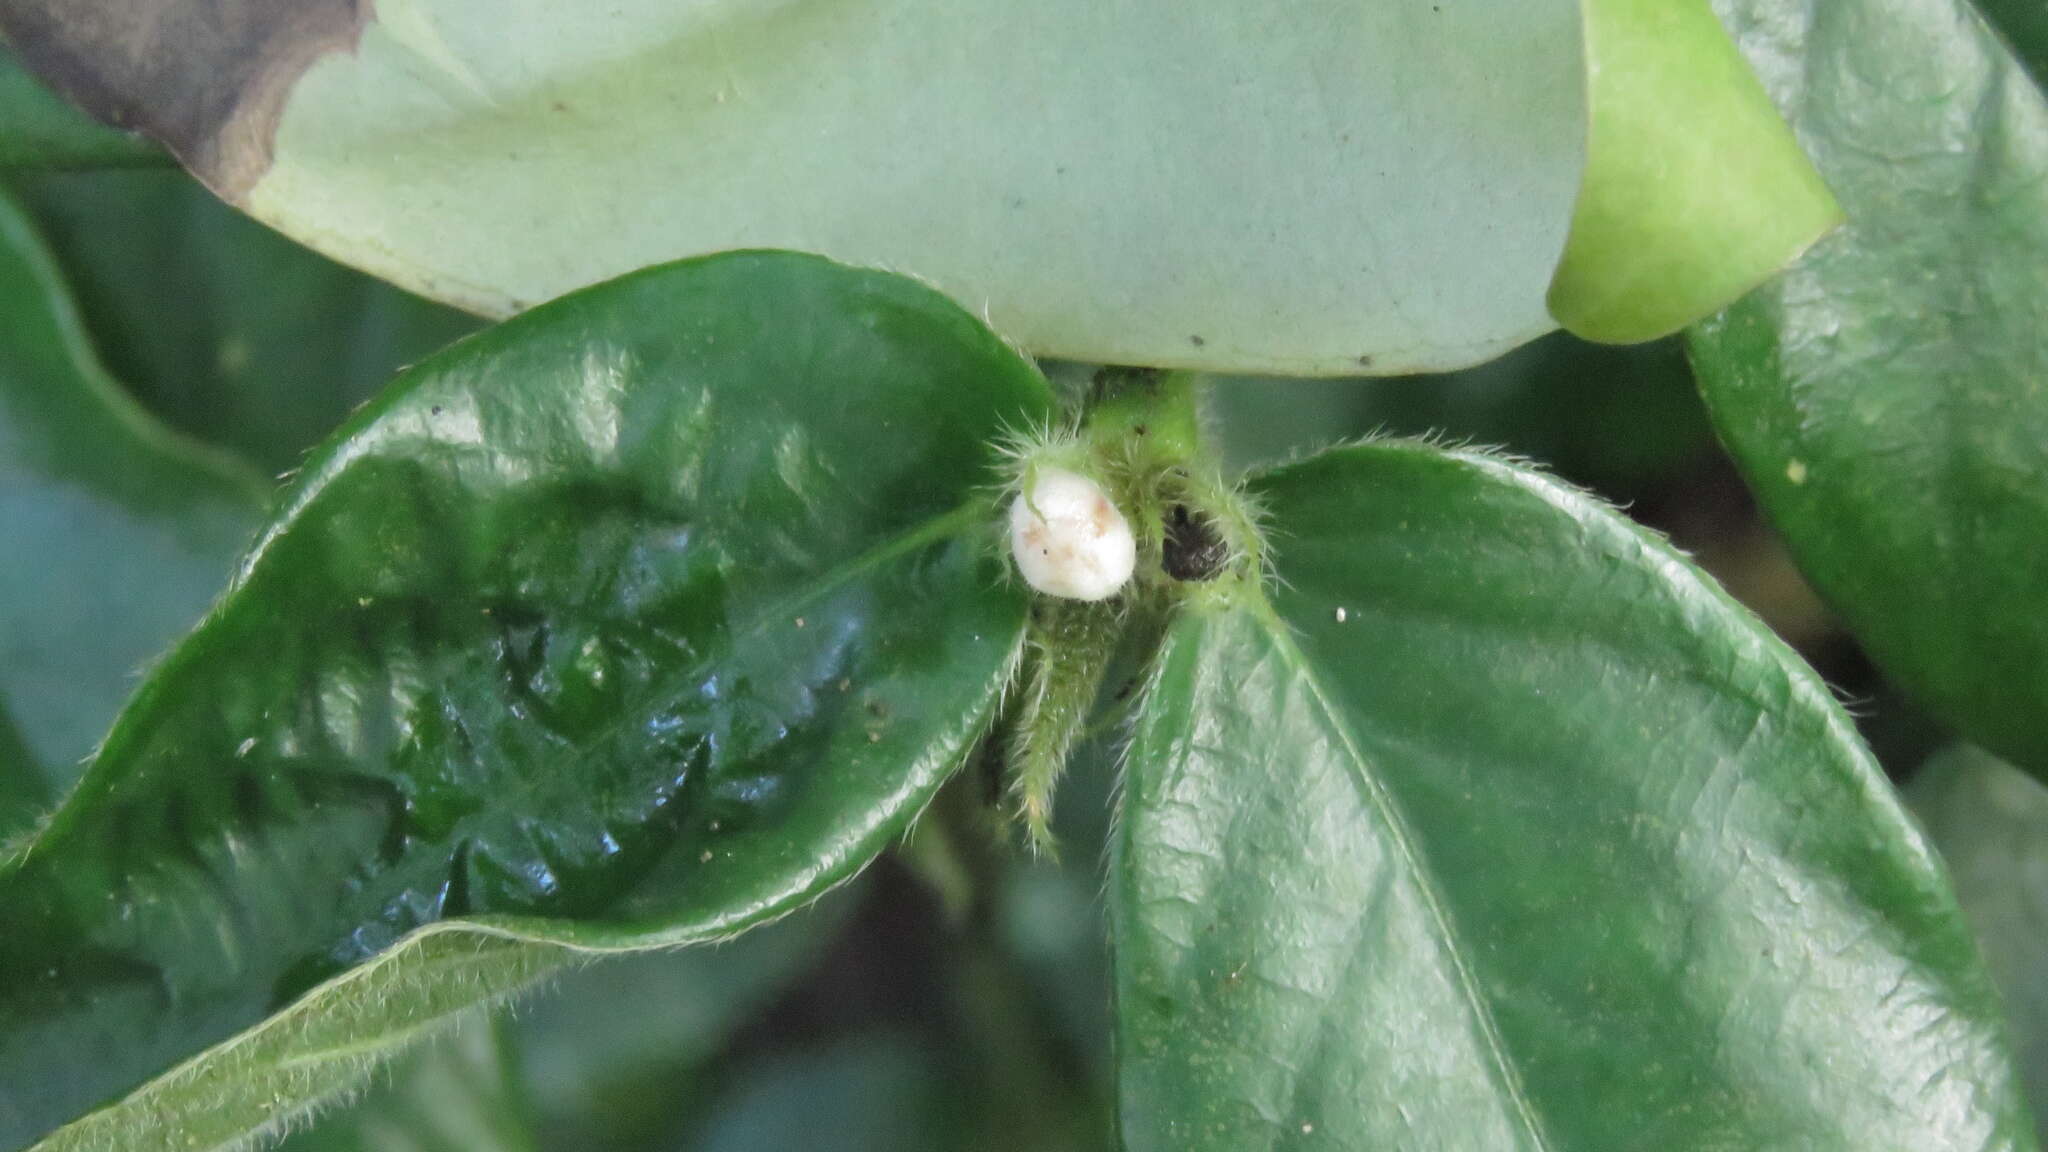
1694, 190
1990, 821
1286, 186
417, 1001
119, 532
225, 329
639, 620
460, 1093
1885, 398
317, 1050
40, 129
1303, 188
92, 489
2024, 24
1499, 826
604, 1049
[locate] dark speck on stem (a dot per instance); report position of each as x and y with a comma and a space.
1192, 550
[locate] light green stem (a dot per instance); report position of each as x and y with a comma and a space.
1070, 644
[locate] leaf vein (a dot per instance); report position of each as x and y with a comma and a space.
1403, 843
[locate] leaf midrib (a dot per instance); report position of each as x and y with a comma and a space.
1268, 619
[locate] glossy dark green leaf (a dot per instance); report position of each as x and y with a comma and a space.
117, 532
225, 329
1990, 821
2024, 23
1886, 397
40, 129
638, 620
1499, 826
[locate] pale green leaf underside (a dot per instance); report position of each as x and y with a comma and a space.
460, 1093
1309, 187
323, 1047
1317, 187
1301, 186
430, 999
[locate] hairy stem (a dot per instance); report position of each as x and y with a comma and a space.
1070, 645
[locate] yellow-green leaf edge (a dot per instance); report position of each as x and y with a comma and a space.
1695, 191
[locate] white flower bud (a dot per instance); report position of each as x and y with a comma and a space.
1068, 539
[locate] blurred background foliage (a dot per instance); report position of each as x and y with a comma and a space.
957, 996
223, 328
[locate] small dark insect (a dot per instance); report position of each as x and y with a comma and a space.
1192, 550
